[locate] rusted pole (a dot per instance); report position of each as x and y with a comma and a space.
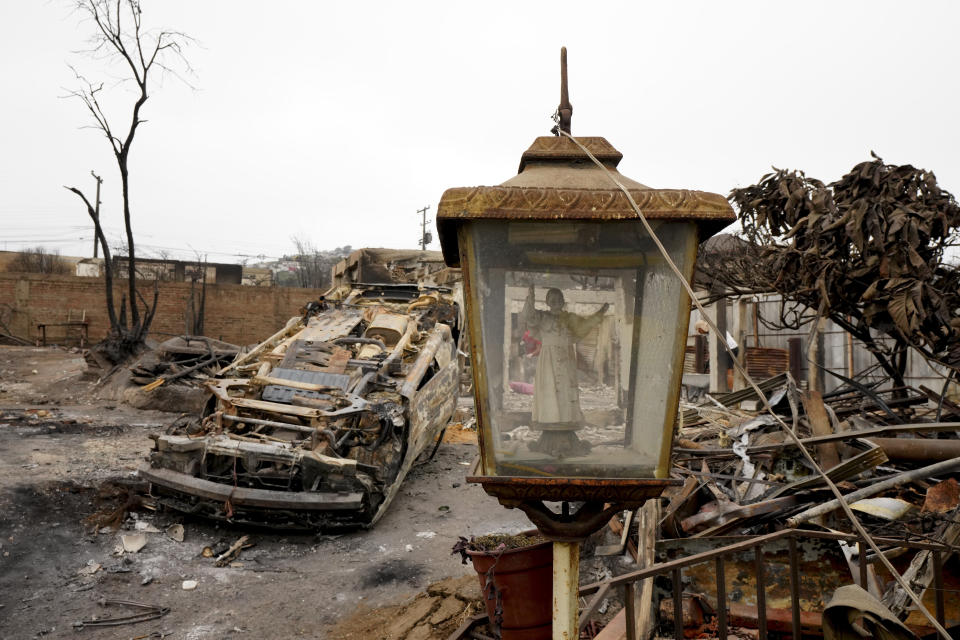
796, 358
566, 579
719, 359
721, 598
565, 110
794, 588
97, 212
938, 586
676, 579
739, 335
761, 592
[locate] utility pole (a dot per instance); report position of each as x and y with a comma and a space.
425, 236
96, 245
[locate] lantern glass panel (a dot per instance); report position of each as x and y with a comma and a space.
583, 328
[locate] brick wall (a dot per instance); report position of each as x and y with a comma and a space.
234, 313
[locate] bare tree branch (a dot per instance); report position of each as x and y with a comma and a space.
118, 34
107, 260
870, 246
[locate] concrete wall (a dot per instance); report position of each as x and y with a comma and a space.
234, 313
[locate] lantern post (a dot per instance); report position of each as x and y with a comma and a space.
577, 331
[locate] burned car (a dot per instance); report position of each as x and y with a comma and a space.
317, 426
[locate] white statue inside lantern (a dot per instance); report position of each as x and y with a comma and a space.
556, 394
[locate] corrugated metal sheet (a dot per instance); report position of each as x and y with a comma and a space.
766, 362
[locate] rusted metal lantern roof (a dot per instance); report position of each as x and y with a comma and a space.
558, 181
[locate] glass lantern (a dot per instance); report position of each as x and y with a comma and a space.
577, 323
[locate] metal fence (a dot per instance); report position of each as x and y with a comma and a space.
628, 581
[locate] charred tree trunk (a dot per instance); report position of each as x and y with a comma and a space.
118, 33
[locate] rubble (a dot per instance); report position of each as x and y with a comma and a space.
188, 359
751, 480
441, 609
744, 480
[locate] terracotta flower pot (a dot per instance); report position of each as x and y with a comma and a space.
524, 579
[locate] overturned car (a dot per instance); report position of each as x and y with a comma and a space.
316, 427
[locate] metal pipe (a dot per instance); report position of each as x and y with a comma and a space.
566, 576
879, 487
361, 386
835, 437
918, 450
663, 568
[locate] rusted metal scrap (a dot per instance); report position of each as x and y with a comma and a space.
744, 477
317, 426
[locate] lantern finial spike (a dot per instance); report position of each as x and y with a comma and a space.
565, 110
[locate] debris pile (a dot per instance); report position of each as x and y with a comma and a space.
743, 474
890, 454
184, 360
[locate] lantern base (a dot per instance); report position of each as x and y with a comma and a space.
602, 497
567, 526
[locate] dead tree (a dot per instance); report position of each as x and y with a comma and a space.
119, 36
196, 300
38, 260
313, 265
868, 251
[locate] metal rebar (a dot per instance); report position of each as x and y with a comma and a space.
862, 563
761, 593
938, 586
677, 605
794, 588
721, 599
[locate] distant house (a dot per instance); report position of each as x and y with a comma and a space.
166, 270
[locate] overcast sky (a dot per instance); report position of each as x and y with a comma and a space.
336, 121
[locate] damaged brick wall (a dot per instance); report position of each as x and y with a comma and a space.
234, 313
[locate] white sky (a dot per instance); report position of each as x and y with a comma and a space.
336, 121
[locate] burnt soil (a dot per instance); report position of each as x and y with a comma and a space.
68, 462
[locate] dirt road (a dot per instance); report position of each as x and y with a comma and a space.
62, 459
